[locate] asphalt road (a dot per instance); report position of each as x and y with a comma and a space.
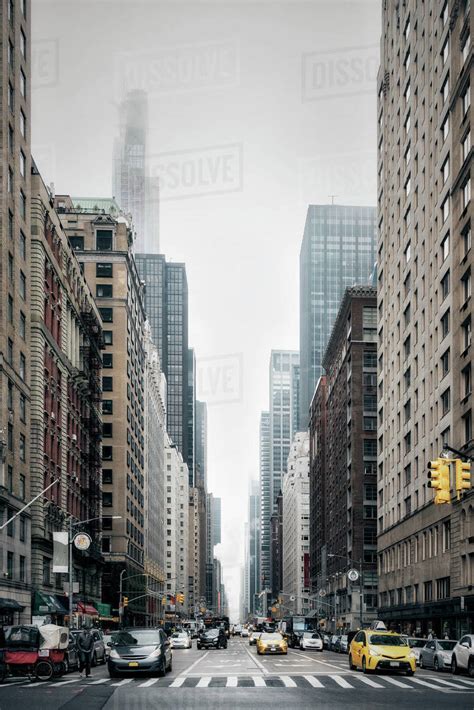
238, 678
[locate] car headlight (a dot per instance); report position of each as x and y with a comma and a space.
155, 653
372, 652
113, 653
412, 654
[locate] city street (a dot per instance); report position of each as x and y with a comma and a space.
238, 678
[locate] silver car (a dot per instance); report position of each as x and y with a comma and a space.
437, 654
181, 639
416, 645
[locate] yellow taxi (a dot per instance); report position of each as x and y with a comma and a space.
271, 643
381, 650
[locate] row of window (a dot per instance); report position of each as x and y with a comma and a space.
411, 594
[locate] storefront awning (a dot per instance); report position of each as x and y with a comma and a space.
83, 608
47, 604
10, 605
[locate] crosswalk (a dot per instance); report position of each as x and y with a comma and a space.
330, 681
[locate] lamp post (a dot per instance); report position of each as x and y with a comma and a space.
361, 581
70, 544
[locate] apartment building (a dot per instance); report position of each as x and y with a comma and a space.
177, 528
424, 260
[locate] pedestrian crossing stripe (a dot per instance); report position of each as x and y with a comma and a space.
330, 681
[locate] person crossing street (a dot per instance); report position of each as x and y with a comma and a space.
85, 645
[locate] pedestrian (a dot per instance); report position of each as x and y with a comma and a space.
430, 636
85, 645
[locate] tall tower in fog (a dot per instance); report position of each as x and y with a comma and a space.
135, 191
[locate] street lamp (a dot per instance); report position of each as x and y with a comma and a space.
361, 580
70, 543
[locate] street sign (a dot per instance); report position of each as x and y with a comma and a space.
292, 598
75, 587
353, 575
82, 541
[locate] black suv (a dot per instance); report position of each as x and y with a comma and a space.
213, 638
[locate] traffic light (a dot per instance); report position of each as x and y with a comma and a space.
164, 600
180, 598
125, 601
440, 481
463, 476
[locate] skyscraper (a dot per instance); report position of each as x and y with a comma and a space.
252, 552
135, 191
265, 500
166, 305
191, 416
425, 311
338, 250
200, 458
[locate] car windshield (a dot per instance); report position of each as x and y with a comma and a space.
343, 638
212, 632
137, 638
179, 635
270, 637
447, 645
311, 635
386, 640
416, 643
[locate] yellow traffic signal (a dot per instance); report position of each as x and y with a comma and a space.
180, 598
440, 481
164, 600
125, 601
463, 476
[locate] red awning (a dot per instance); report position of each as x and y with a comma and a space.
87, 609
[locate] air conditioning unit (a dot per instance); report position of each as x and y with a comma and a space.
73, 437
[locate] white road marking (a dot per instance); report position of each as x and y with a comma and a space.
122, 682
428, 685
232, 681
65, 682
331, 665
178, 682
201, 658
398, 683
341, 681
446, 682
204, 681
288, 682
98, 682
313, 681
370, 682
463, 680
259, 682
147, 683
257, 662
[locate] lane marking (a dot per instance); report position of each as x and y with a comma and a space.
325, 663
201, 658
147, 683
313, 681
467, 682
65, 682
178, 682
370, 682
231, 681
257, 662
259, 682
428, 685
287, 681
398, 683
341, 681
122, 682
98, 682
446, 682
204, 681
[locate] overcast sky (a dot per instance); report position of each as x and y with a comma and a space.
256, 110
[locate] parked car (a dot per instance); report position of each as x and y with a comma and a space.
98, 655
326, 640
140, 651
333, 642
181, 639
108, 638
253, 638
237, 629
212, 638
244, 633
437, 654
71, 656
342, 646
381, 650
416, 645
311, 640
463, 655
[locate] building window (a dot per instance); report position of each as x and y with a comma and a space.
466, 236
23, 44
107, 384
445, 171
10, 309
466, 333
445, 128
107, 453
22, 569
445, 363
445, 90
107, 499
445, 248
104, 240
442, 588
22, 164
370, 448
467, 419
46, 570
370, 423
466, 193
108, 337
77, 243
22, 205
22, 407
22, 366
22, 286
107, 475
445, 402
10, 565
107, 406
22, 447
107, 360
466, 100
10, 351
466, 381
408, 505
107, 315
104, 290
22, 124
466, 145
445, 286
103, 270
446, 536
407, 253
369, 323
445, 52
445, 209
22, 528
428, 589
370, 536
370, 359
22, 245
466, 47
107, 430
10, 474
22, 326
445, 324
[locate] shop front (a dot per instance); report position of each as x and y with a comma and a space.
49, 609
10, 611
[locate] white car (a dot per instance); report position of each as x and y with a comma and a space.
181, 639
311, 641
463, 655
244, 633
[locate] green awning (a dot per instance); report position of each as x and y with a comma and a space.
10, 605
47, 604
104, 609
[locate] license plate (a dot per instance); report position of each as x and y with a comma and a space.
133, 664
395, 664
